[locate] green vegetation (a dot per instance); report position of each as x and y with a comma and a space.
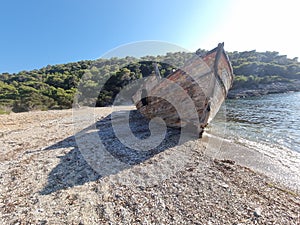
54, 87
253, 68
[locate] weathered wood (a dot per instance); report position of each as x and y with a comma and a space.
192, 94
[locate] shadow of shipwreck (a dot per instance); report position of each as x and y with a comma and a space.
73, 168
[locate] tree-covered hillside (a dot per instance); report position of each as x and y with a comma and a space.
252, 68
54, 87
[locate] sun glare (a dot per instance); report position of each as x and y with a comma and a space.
261, 25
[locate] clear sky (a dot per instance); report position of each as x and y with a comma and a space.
35, 33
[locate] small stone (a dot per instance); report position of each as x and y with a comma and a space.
224, 185
42, 222
257, 212
40, 210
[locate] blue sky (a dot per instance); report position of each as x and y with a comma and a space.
36, 33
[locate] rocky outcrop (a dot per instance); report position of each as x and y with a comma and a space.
263, 89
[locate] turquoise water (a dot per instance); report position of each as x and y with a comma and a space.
271, 120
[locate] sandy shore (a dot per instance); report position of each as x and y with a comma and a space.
49, 174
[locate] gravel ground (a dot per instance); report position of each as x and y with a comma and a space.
46, 178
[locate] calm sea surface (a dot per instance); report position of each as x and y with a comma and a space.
270, 120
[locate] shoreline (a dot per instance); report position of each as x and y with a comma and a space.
261, 89
282, 168
45, 179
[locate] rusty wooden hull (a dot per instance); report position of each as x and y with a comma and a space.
192, 94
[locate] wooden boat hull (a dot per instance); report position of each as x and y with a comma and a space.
191, 95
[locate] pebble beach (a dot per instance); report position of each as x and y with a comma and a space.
45, 178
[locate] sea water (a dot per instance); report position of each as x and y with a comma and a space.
268, 128
270, 120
